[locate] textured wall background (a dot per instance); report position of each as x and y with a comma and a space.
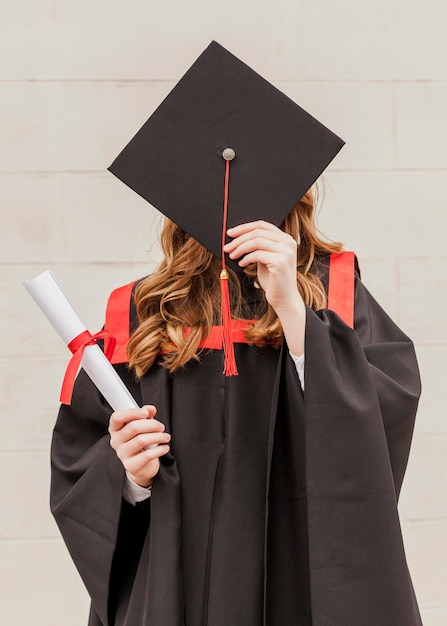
76, 81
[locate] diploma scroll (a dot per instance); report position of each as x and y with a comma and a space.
52, 301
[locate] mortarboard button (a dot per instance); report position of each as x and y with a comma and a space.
228, 154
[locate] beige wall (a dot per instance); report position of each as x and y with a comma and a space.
76, 80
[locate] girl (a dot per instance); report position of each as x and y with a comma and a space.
265, 497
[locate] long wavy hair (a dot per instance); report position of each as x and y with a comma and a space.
184, 292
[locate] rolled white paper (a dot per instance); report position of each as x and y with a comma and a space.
52, 301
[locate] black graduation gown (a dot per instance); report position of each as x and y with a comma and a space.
274, 507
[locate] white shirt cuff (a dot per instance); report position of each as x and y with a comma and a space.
134, 493
299, 364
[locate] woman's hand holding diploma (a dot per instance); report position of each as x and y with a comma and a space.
139, 441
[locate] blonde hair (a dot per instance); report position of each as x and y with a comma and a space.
184, 292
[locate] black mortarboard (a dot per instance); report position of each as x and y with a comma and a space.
222, 111
175, 160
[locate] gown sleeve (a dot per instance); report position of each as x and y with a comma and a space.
362, 392
394, 369
86, 491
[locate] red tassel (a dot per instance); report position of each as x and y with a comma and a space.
230, 368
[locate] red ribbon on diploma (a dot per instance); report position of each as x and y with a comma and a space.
77, 347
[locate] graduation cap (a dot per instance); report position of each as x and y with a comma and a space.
222, 112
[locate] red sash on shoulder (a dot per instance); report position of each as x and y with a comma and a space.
118, 321
340, 300
341, 286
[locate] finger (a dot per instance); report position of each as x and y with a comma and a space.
269, 259
273, 235
118, 419
257, 243
142, 442
133, 429
272, 232
138, 462
138, 427
235, 231
258, 236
